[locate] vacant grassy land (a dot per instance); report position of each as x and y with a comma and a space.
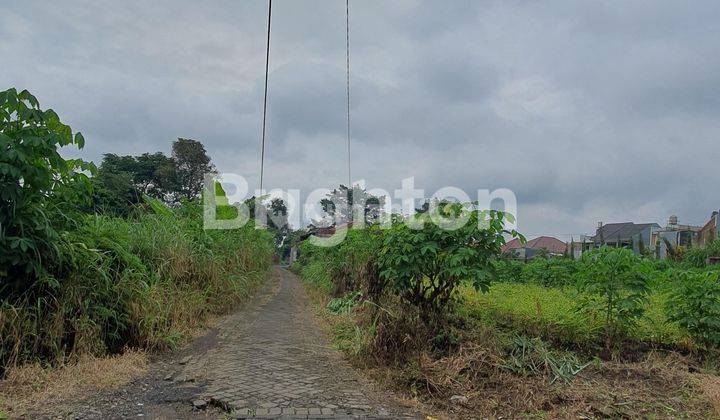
553, 313
535, 343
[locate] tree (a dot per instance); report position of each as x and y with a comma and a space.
342, 202
615, 281
114, 193
191, 164
279, 214
155, 174
39, 189
425, 266
151, 173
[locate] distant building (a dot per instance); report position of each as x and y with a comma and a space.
625, 235
579, 246
674, 235
543, 245
710, 231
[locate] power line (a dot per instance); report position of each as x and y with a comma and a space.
267, 67
347, 84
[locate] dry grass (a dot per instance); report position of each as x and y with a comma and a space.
710, 385
658, 386
32, 386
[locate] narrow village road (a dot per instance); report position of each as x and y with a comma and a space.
268, 360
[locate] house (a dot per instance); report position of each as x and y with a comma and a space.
674, 235
579, 246
635, 236
534, 247
710, 231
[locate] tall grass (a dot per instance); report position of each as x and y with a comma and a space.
346, 267
145, 283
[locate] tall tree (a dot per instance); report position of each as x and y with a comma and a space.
114, 193
191, 165
279, 213
152, 173
341, 200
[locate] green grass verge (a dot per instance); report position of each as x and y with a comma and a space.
551, 312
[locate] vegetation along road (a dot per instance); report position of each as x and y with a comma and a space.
269, 359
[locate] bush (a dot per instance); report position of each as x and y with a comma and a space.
39, 189
542, 271
694, 303
354, 265
616, 281
509, 270
550, 272
426, 265
697, 257
347, 267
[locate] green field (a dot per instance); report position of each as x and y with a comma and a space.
552, 312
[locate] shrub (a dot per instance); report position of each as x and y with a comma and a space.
542, 271
616, 281
426, 265
694, 303
550, 272
38, 188
347, 267
509, 270
354, 264
697, 257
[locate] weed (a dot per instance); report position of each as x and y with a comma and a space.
531, 356
344, 304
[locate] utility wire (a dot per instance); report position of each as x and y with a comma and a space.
347, 85
267, 67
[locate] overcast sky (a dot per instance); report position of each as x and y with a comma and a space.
588, 111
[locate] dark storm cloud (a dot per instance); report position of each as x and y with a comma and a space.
588, 111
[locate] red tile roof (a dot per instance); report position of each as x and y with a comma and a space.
553, 245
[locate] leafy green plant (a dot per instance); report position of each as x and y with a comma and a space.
697, 257
39, 189
509, 270
75, 283
345, 303
157, 206
694, 303
549, 271
347, 267
426, 265
531, 356
615, 281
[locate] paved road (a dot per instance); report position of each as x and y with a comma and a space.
268, 360
275, 360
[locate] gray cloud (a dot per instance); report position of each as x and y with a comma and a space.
588, 111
